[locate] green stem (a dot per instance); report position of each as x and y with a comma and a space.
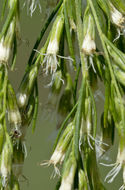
4, 95
36, 107
78, 120
8, 20
95, 112
14, 53
76, 83
80, 37
3, 9
69, 38
107, 96
79, 22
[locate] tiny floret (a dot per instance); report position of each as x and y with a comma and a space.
88, 45
14, 117
57, 156
116, 16
68, 180
4, 52
21, 100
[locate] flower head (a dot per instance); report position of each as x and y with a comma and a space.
67, 181
68, 173
4, 52
117, 17
88, 45
51, 56
6, 44
21, 100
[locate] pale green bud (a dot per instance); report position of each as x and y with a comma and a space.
88, 44
26, 87
6, 160
68, 174
117, 17
22, 100
53, 46
4, 52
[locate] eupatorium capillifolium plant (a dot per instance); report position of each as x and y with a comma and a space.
86, 38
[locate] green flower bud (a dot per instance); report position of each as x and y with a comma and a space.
14, 116
88, 44
4, 52
59, 153
6, 43
117, 56
18, 159
68, 174
27, 116
117, 17
57, 84
120, 75
82, 180
65, 104
53, 47
119, 4
26, 87
6, 160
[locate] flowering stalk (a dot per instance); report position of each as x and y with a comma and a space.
53, 47
62, 146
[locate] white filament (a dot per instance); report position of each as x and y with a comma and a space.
113, 173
